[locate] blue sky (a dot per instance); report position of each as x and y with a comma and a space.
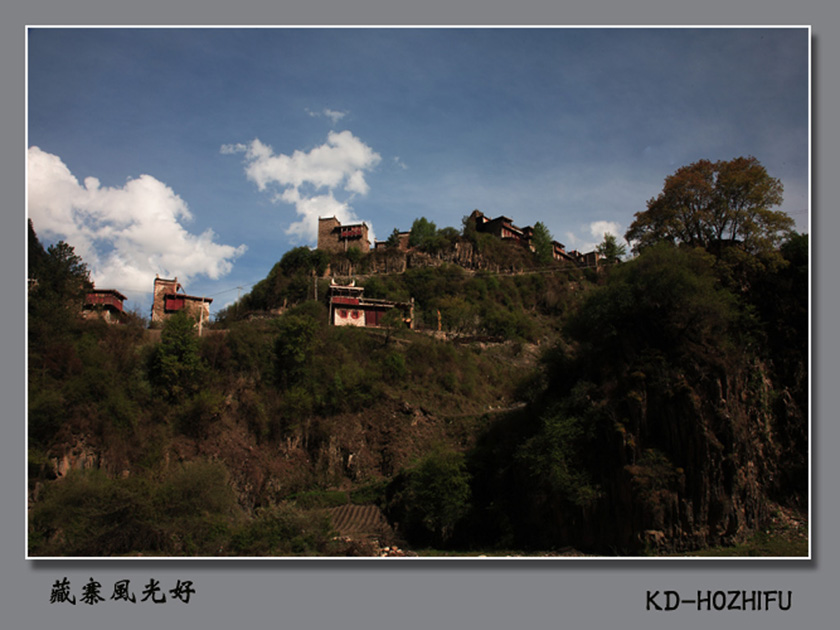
208, 153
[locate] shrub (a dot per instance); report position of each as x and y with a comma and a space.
199, 412
393, 367
319, 499
188, 512
666, 299
283, 530
429, 499
296, 339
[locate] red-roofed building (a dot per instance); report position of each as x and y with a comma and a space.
170, 298
349, 307
106, 304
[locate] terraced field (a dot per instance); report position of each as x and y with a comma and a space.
358, 521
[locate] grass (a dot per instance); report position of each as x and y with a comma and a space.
760, 545
785, 536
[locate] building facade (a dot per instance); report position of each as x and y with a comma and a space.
349, 307
105, 304
170, 298
334, 237
503, 228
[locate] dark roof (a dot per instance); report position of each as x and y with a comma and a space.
184, 296
113, 292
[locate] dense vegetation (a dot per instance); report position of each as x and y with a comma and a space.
254, 417
658, 405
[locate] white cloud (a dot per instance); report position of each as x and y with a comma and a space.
593, 235
599, 228
332, 114
312, 180
233, 148
125, 235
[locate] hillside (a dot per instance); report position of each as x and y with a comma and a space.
654, 406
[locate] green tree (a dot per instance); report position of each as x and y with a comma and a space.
469, 229
297, 335
543, 243
393, 240
667, 299
177, 367
433, 496
553, 463
59, 274
611, 249
392, 321
304, 260
712, 205
59, 280
36, 253
422, 232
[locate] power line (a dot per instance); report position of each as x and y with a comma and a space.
240, 287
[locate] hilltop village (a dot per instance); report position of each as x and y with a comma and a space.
348, 306
335, 237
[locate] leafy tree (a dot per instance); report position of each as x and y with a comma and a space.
354, 255
448, 234
294, 346
422, 232
542, 242
59, 279
552, 461
305, 260
469, 230
392, 321
393, 240
611, 249
713, 204
667, 299
433, 497
59, 274
176, 364
37, 254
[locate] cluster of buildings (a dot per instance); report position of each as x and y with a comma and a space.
502, 227
347, 304
334, 237
169, 298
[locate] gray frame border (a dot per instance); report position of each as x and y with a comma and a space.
494, 594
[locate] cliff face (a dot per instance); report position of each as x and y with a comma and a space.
690, 465
664, 424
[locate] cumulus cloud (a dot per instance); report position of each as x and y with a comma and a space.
318, 183
125, 235
599, 228
593, 235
